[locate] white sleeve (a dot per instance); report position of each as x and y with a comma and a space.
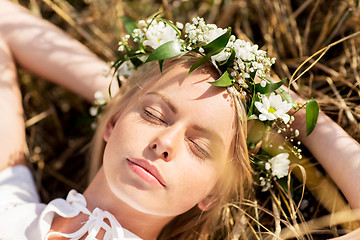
17, 186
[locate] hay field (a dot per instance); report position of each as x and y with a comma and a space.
290, 30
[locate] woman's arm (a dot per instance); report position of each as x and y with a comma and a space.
47, 51
336, 151
12, 127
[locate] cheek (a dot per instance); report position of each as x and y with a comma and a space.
203, 177
127, 132
195, 182
127, 139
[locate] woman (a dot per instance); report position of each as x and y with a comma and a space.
64, 47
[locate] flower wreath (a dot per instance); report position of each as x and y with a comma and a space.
239, 63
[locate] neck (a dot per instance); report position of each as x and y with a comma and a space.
143, 225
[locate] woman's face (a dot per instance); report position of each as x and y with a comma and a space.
165, 151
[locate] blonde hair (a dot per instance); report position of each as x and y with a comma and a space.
193, 224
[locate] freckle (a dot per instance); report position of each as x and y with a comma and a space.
228, 99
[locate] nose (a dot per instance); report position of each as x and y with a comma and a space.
166, 143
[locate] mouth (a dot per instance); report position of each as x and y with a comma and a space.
145, 170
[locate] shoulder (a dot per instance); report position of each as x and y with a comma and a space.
20, 221
17, 186
20, 206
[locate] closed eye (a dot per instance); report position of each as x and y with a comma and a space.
154, 116
198, 150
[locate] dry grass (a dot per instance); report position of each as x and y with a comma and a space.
58, 124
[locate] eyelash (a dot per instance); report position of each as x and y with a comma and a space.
198, 151
154, 117
193, 147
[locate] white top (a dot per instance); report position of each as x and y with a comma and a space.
22, 216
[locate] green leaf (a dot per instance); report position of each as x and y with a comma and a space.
118, 61
129, 24
171, 25
153, 19
312, 113
269, 88
229, 62
252, 75
219, 42
283, 183
251, 105
198, 63
165, 51
252, 117
202, 60
118, 80
161, 63
223, 81
286, 96
118, 64
136, 61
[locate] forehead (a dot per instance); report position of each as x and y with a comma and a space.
194, 97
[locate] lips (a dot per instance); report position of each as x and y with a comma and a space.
146, 171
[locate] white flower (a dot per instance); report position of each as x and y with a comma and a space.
195, 21
221, 57
272, 108
93, 111
99, 98
263, 83
280, 165
243, 50
215, 33
246, 75
179, 25
230, 89
159, 33
296, 133
142, 23
138, 35
267, 166
200, 32
126, 69
121, 48
265, 184
292, 119
241, 65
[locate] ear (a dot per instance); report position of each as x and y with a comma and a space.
108, 129
207, 203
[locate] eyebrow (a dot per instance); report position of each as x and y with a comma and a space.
213, 135
166, 100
